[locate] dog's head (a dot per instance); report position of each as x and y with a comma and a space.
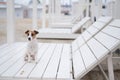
31, 34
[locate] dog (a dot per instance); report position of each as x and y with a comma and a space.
32, 46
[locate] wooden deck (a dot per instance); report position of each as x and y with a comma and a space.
62, 61
53, 62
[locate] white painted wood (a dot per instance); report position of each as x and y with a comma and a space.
44, 14
87, 8
80, 41
78, 27
78, 64
88, 57
86, 35
102, 70
99, 25
10, 54
58, 7
110, 67
52, 67
99, 50
10, 21
6, 50
106, 40
57, 36
63, 33
74, 46
11, 72
3, 46
115, 22
55, 31
115, 32
105, 19
28, 67
64, 67
34, 18
42, 64
92, 30
11, 61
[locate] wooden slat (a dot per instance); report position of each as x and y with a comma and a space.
3, 46
115, 23
28, 67
99, 25
88, 57
92, 30
51, 70
106, 40
64, 67
98, 49
74, 45
11, 61
86, 36
78, 64
105, 19
80, 41
8, 49
113, 31
11, 72
14, 69
42, 64
11, 54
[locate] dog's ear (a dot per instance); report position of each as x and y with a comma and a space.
36, 32
26, 32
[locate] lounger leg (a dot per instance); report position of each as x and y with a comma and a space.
106, 77
110, 67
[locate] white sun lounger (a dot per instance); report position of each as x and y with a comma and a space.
68, 33
95, 50
69, 25
59, 61
65, 22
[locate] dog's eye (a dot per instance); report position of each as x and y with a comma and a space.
32, 34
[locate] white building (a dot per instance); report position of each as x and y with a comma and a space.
18, 10
113, 7
21, 11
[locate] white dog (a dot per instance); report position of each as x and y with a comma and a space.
32, 46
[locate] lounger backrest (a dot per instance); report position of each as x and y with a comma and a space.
93, 29
77, 27
94, 51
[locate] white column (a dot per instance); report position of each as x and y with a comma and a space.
87, 8
110, 67
57, 7
10, 21
100, 8
44, 14
34, 14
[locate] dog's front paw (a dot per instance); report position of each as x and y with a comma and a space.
25, 59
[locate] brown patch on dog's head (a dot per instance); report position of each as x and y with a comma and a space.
36, 32
27, 32
31, 34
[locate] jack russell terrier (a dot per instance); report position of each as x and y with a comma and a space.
32, 46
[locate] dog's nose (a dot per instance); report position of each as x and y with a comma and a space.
29, 39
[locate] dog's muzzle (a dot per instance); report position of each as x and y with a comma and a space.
29, 39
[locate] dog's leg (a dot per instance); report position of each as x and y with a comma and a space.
33, 57
26, 57
29, 58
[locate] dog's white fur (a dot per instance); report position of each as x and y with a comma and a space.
32, 49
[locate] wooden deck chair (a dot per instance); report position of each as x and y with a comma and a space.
59, 61
65, 22
68, 33
99, 47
